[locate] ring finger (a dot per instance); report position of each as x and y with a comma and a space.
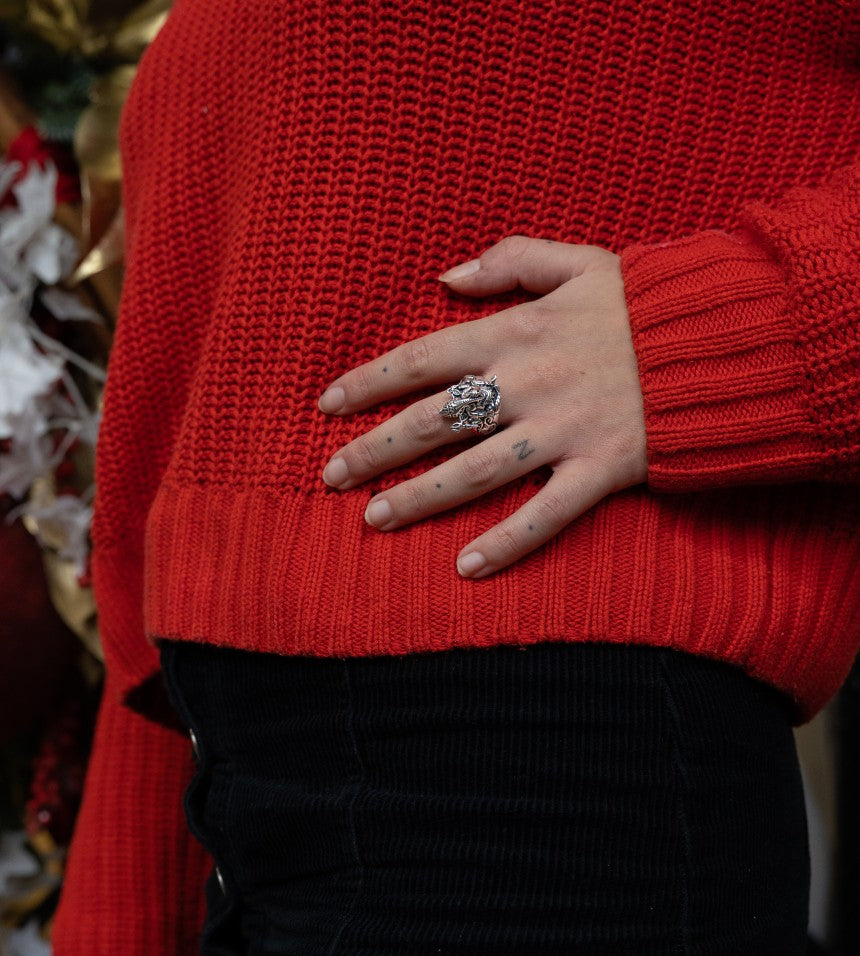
404, 437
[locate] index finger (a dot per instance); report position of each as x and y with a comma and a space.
436, 358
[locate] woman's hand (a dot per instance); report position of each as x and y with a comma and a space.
570, 398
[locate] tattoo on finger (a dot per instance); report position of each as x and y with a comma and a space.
524, 450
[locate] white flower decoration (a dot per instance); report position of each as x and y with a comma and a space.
39, 421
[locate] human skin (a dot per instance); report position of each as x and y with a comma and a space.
570, 390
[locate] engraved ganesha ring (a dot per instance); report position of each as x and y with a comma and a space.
474, 403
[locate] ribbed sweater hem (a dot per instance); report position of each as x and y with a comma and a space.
304, 575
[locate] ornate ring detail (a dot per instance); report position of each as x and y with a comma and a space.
474, 403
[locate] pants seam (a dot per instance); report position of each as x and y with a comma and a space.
203, 775
357, 783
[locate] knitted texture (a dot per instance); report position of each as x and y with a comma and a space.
134, 878
749, 348
291, 194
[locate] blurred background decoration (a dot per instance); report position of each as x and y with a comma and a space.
65, 70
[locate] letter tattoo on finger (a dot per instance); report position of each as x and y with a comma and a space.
524, 450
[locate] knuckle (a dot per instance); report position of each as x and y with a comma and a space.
529, 322
553, 371
514, 247
415, 358
505, 543
423, 425
362, 385
480, 467
365, 457
598, 256
415, 499
552, 511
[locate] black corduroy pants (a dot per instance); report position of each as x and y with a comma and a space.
552, 799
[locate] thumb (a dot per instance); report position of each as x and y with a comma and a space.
538, 265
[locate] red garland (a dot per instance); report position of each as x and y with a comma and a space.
60, 765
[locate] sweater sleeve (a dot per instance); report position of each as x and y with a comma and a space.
748, 344
135, 875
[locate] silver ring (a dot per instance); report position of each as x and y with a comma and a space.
474, 403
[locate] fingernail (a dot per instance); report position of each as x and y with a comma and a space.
460, 272
336, 472
378, 513
470, 563
332, 399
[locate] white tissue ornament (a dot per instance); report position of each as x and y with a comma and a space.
35, 194
26, 374
52, 254
31, 453
42, 410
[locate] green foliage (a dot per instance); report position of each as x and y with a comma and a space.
53, 84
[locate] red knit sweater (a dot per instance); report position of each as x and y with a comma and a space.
296, 175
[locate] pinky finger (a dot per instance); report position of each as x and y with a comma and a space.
573, 488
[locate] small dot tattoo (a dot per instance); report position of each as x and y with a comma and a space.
389, 439
531, 527
384, 368
438, 485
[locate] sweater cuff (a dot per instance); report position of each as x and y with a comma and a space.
722, 381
